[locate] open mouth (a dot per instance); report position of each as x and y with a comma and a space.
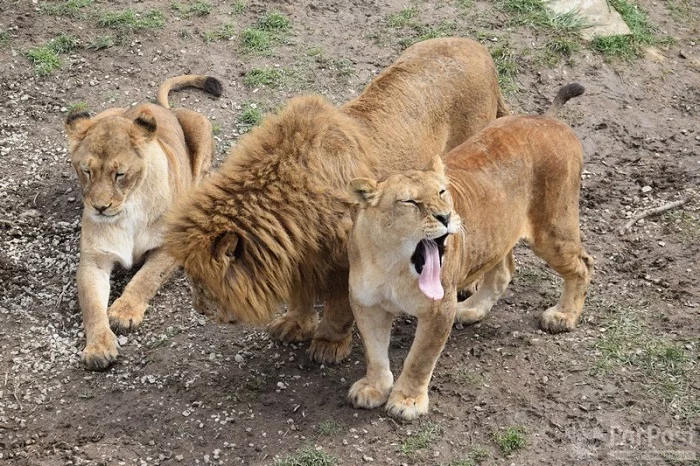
427, 259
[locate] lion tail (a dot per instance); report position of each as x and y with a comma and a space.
206, 83
565, 93
502, 109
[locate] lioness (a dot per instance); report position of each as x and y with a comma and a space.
132, 164
518, 178
272, 225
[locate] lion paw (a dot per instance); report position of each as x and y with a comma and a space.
100, 351
289, 329
407, 407
365, 395
553, 320
328, 351
126, 316
469, 316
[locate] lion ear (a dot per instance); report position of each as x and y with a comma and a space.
144, 128
227, 244
363, 191
76, 125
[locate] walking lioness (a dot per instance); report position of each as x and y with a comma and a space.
519, 178
132, 164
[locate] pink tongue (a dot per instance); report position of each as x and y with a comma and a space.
429, 279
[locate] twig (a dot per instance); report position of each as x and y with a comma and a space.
60, 298
654, 211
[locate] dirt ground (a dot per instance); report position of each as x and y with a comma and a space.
623, 388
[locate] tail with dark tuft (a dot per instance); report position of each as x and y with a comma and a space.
565, 93
206, 83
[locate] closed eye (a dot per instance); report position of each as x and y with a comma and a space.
118, 175
408, 201
442, 192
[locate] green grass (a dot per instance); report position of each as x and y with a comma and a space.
420, 440
102, 42
215, 128
464, 4
4, 38
685, 224
507, 66
45, 60
69, 8
225, 31
187, 10
263, 76
76, 107
251, 115
510, 439
268, 30
65, 43
402, 18
130, 20
329, 427
238, 7
631, 46
476, 456
273, 21
308, 457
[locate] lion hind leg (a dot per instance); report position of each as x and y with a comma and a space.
570, 260
332, 341
200, 143
495, 282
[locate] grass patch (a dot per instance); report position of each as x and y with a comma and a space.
421, 439
263, 76
463, 376
69, 8
534, 13
464, 4
187, 10
215, 128
424, 32
251, 115
130, 20
476, 456
329, 427
238, 7
402, 18
273, 21
308, 457
44, 59
256, 40
511, 439
267, 31
102, 42
4, 38
507, 66
638, 352
225, 31
685, 224
76, 107
631, 46
65, 43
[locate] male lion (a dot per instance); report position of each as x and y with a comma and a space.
132, 165
272, 225
518, 178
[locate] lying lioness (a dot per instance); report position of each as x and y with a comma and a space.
132, 165
271, 226
518, 178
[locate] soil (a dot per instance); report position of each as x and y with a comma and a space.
623, 387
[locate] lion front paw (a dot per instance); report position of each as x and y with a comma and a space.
125, 316
406, 407
328, 351
100, 351
289, 329
468, 316
364, 394
554, 320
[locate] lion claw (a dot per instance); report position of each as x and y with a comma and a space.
101, 351
326, 351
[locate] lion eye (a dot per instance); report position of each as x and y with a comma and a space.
118, 175
86, 171
442, 192
409, 201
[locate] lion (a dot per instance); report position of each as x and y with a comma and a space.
132, 164
409, 252
271, 226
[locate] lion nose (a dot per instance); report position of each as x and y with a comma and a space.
102, 208
443, 218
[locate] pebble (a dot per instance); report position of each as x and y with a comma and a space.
646, 189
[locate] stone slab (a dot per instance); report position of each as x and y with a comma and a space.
599, 17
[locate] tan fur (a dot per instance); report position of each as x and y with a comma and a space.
272, 225
517, 179
132, 165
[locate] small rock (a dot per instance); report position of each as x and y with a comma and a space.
367, 458
122, 339
646, 189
